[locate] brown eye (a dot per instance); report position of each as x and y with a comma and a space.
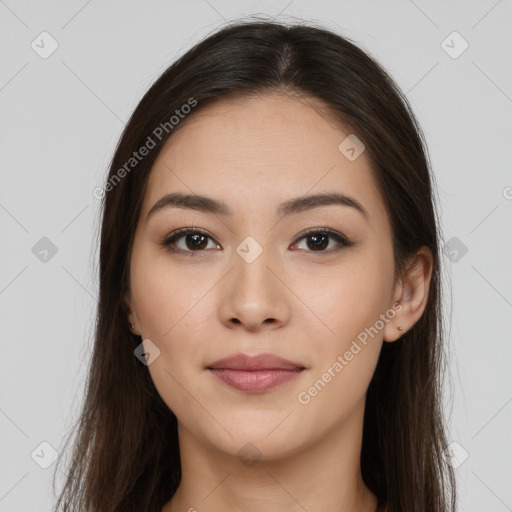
318, 240
194, 240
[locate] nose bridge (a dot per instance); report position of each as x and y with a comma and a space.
251, 273
253, 294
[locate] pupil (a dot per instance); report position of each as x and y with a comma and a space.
196, 238
321, 243
198, 241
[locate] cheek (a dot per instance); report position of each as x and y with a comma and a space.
170, 309
166, 300
347, 307
348, 301
172, 306
346, 354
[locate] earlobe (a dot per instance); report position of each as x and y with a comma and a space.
412, 294
394, 330
129, 310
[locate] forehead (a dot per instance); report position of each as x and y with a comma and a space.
255, 152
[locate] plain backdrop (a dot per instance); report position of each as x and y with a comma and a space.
71, 72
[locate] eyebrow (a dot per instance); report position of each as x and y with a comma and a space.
292, 206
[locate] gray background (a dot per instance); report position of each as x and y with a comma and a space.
62, 116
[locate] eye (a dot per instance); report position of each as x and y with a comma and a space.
195, 240
318, 240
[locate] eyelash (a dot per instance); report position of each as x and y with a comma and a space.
170, 239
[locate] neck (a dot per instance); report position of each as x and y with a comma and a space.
322, 476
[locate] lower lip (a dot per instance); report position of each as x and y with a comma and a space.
254, 381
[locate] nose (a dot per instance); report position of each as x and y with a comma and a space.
253, 297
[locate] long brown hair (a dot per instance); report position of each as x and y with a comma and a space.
125, 452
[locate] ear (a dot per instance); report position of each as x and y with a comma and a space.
131, 318
411, 292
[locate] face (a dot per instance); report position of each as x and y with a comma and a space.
253, 280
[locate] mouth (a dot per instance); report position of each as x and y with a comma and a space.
254, 374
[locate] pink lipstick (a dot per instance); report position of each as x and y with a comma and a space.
254, 374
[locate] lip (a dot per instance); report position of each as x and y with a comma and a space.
255, 374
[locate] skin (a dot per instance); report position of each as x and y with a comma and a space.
299, 303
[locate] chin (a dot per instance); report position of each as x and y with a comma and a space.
250, 450
256, 436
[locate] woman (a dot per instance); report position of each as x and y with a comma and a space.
269, 329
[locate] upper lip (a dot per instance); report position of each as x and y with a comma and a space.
252, 363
